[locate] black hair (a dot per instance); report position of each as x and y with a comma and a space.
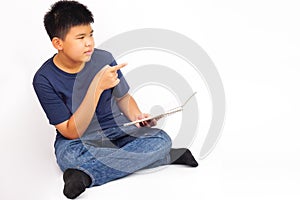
64, 15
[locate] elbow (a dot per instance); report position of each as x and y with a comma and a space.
70, 135
65, 130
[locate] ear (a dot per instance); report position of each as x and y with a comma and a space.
57, 43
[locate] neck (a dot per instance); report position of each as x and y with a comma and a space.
66, 64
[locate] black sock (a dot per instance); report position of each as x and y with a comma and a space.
75, 182
183, 156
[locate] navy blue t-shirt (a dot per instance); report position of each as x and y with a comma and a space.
61, 93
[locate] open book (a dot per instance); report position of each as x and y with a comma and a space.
167, 113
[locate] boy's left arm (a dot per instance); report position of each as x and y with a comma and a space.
129, 107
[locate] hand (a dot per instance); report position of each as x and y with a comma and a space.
148, 123
108, 76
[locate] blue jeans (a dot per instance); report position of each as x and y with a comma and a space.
114, 153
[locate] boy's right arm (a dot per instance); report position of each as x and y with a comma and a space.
76, 125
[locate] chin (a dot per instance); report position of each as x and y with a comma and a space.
87, 59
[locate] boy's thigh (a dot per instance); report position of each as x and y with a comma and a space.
143, 132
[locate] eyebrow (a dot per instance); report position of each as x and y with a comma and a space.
83, 34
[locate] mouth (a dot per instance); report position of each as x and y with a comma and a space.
89, 52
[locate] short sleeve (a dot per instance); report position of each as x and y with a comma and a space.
122, 88
52, 104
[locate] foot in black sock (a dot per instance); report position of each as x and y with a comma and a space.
183, 156
75, 182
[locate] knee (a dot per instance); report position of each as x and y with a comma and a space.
162, 134
162, 139
166, 141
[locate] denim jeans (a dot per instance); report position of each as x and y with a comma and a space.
114, 153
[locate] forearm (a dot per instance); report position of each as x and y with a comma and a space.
80, 120
129, 107
75, 127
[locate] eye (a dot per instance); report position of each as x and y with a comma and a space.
80, 38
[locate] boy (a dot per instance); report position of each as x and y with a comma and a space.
85, 96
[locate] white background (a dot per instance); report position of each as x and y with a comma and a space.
255, 47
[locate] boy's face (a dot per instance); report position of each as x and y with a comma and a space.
78, 44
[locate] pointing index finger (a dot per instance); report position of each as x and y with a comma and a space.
119, 66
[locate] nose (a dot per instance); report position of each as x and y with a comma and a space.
89, 42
